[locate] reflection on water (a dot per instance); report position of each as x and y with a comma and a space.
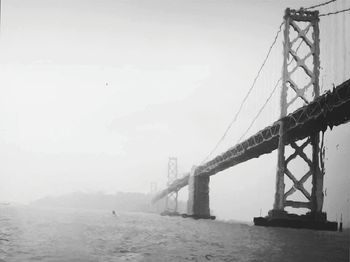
31, 234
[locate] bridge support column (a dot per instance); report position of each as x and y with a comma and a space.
317, 175
198, 198
301, 22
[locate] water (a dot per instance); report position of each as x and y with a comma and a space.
32, 234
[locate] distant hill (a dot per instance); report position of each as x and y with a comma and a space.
121, 201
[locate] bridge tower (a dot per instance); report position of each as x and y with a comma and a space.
171, 203
300, 86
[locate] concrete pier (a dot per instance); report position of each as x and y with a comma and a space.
198, 198
311, 220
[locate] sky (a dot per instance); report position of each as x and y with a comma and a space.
96, 95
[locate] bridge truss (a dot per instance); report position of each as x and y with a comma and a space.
326, 111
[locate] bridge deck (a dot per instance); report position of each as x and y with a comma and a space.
328, 110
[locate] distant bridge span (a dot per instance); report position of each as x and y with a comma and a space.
328, 110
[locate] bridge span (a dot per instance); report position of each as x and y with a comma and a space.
329, 110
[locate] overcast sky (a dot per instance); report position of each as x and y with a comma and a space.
96, 95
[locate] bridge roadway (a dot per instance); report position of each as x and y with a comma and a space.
328, 110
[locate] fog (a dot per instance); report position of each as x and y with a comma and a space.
96, 95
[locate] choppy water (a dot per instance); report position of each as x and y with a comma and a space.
30, 234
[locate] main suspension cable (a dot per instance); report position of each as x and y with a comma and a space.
319, 5
336, 12
260, 111
246, 96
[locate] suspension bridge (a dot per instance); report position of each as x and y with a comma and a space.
305, 114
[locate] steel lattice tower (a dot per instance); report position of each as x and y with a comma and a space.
171, 199
300, 77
